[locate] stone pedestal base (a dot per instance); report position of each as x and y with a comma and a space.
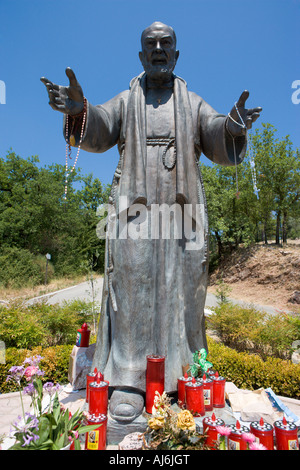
116, 431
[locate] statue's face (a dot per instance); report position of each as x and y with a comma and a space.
159, 55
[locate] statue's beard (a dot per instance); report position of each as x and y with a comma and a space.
159, 72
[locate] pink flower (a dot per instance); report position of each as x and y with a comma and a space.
223, 430
30, 372
248, 437
257, 446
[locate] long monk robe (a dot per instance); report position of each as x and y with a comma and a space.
155, 289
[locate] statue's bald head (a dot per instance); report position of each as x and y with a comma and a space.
159, 54
157, 25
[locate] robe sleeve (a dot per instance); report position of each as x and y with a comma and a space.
103, 125
215, 141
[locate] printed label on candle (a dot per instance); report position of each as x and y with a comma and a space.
78, 339
93, 440
233, 445
207, 397
293, 444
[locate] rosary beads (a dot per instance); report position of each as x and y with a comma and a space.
70, 142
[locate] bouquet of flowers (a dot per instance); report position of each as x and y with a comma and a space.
52, 428
168, 429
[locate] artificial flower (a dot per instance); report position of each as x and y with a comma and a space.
248, 437
223, 430
156, 423
185, 421
257, 446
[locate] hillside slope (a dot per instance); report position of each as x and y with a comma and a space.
263, 274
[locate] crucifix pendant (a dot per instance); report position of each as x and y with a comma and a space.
158, 100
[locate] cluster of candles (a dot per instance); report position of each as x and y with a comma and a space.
201, 395
282, 435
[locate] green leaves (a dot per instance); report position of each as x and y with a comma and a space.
242, 218
35, 220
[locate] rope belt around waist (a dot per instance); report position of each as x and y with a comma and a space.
168, 158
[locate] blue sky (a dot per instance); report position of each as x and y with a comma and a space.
225, 46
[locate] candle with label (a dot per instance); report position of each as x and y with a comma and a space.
98, 396
89, 379
155, 379
209, 427
286, 433
263, 432
83, 336
208, 392
218, 391
181, 389
194, 397
96, 439
235, 440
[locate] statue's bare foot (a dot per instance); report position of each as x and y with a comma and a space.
125, 405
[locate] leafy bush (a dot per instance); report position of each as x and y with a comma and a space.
29, 326
248, 329
249, 371
19, 268
55, 364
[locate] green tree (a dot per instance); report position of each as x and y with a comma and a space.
35, 219
278, 166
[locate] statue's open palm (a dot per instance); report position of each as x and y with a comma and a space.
67, 100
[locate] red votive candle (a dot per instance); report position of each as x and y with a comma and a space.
96, 439
235, 440
208, 393
218, 391
91, 378
98, 396
155, 379
83, 336
209, 426
263, 432
286, 433
194, 397
181, 389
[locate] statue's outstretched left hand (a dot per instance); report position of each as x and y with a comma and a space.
240, 118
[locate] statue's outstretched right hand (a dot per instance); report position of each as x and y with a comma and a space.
67, 100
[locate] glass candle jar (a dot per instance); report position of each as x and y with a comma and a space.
155, 379
235, 440
181, 389
209, 426
208, 393
286, 433
264, 433
96, 439
89, 379
98, 396
194, 397
218, 391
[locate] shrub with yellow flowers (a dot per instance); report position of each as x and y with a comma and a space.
170, 430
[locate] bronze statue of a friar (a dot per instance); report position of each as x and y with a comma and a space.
155, 285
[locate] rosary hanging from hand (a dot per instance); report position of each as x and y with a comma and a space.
70, 142
252, 162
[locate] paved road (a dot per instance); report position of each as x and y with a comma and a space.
80, 291
83, 292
